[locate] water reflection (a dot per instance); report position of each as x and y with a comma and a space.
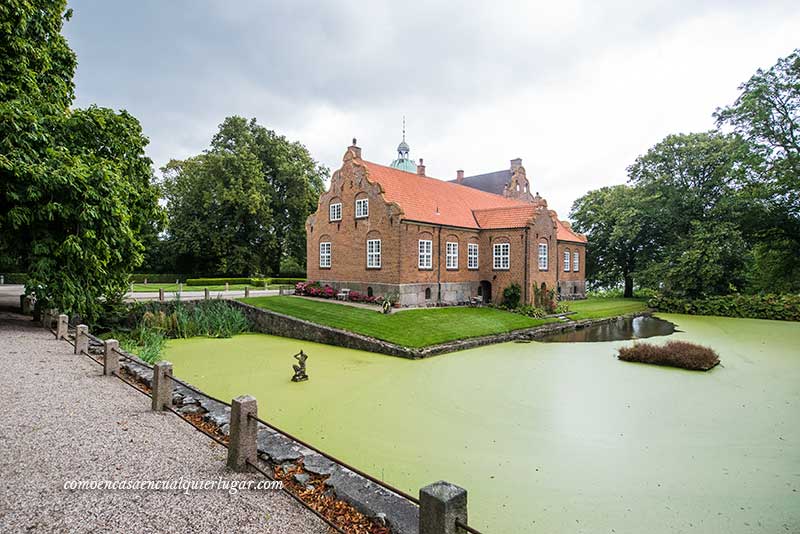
621, 329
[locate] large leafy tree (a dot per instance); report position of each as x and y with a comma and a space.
219, 206
240, 207
619, 235
77, 186
767, 115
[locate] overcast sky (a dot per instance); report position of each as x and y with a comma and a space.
577, 89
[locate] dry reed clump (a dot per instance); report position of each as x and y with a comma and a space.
673, 353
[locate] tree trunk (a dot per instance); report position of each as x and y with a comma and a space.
628, 287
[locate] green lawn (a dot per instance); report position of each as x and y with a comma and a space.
411, 328
172, 288
597, 308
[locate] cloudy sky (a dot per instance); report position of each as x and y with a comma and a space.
576, 88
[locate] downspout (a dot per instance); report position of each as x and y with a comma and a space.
525, 274
439, 268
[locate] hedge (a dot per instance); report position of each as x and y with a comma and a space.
252, 281
217, 281
777, 307
157, 278
14, 278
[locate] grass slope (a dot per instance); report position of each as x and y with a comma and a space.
411, 328
597, 308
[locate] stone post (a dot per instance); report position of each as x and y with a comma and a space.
61, 327
27, 304
82, 339
2, 280
226, 286
206, 293
246, 291
440, 504
162, 386
46, 322
180, 288
111, 357
161, 294
243, 431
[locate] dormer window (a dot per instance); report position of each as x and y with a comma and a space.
335, 211
362, 208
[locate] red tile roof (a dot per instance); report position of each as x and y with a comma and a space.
565, 233
508, 217
429, 200
435, 201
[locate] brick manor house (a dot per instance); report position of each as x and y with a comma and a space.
393, 231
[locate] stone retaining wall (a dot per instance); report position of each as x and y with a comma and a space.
270, 322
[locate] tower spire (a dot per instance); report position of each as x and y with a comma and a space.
403, 161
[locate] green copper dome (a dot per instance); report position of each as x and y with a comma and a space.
404, 164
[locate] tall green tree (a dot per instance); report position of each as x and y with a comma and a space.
218, 206
240, 208
619, 235
77, 186
767, 115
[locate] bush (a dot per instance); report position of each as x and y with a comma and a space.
531, 311
156, 278
674, 354
512, 295
777, 307
218, 281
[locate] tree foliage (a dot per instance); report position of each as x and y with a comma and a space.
708, 213
767, 115
240, 207
77, 189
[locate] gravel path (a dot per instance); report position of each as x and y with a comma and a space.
63, 421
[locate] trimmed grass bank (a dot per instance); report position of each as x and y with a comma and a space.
411, 328
600, 308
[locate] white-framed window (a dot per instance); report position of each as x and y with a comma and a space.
325, 255
335, 211
451, 255
373, 253
502, 255
566, 261
425, 254
362, 208
542, 256
472, 256
576, 261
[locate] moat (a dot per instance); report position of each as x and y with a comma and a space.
548, 437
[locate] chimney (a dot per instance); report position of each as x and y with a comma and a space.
516, 164
421, 168
355, 149
459, 176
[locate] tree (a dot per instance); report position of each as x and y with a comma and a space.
618, 231
77, 186
266, 190
218, 206
767, 115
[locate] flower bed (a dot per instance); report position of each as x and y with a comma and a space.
315, 289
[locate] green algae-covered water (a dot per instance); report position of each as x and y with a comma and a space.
549, 437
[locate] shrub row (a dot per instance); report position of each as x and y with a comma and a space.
251, 281
221, 281
14, 278
778, 307
314, 289
157, 278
